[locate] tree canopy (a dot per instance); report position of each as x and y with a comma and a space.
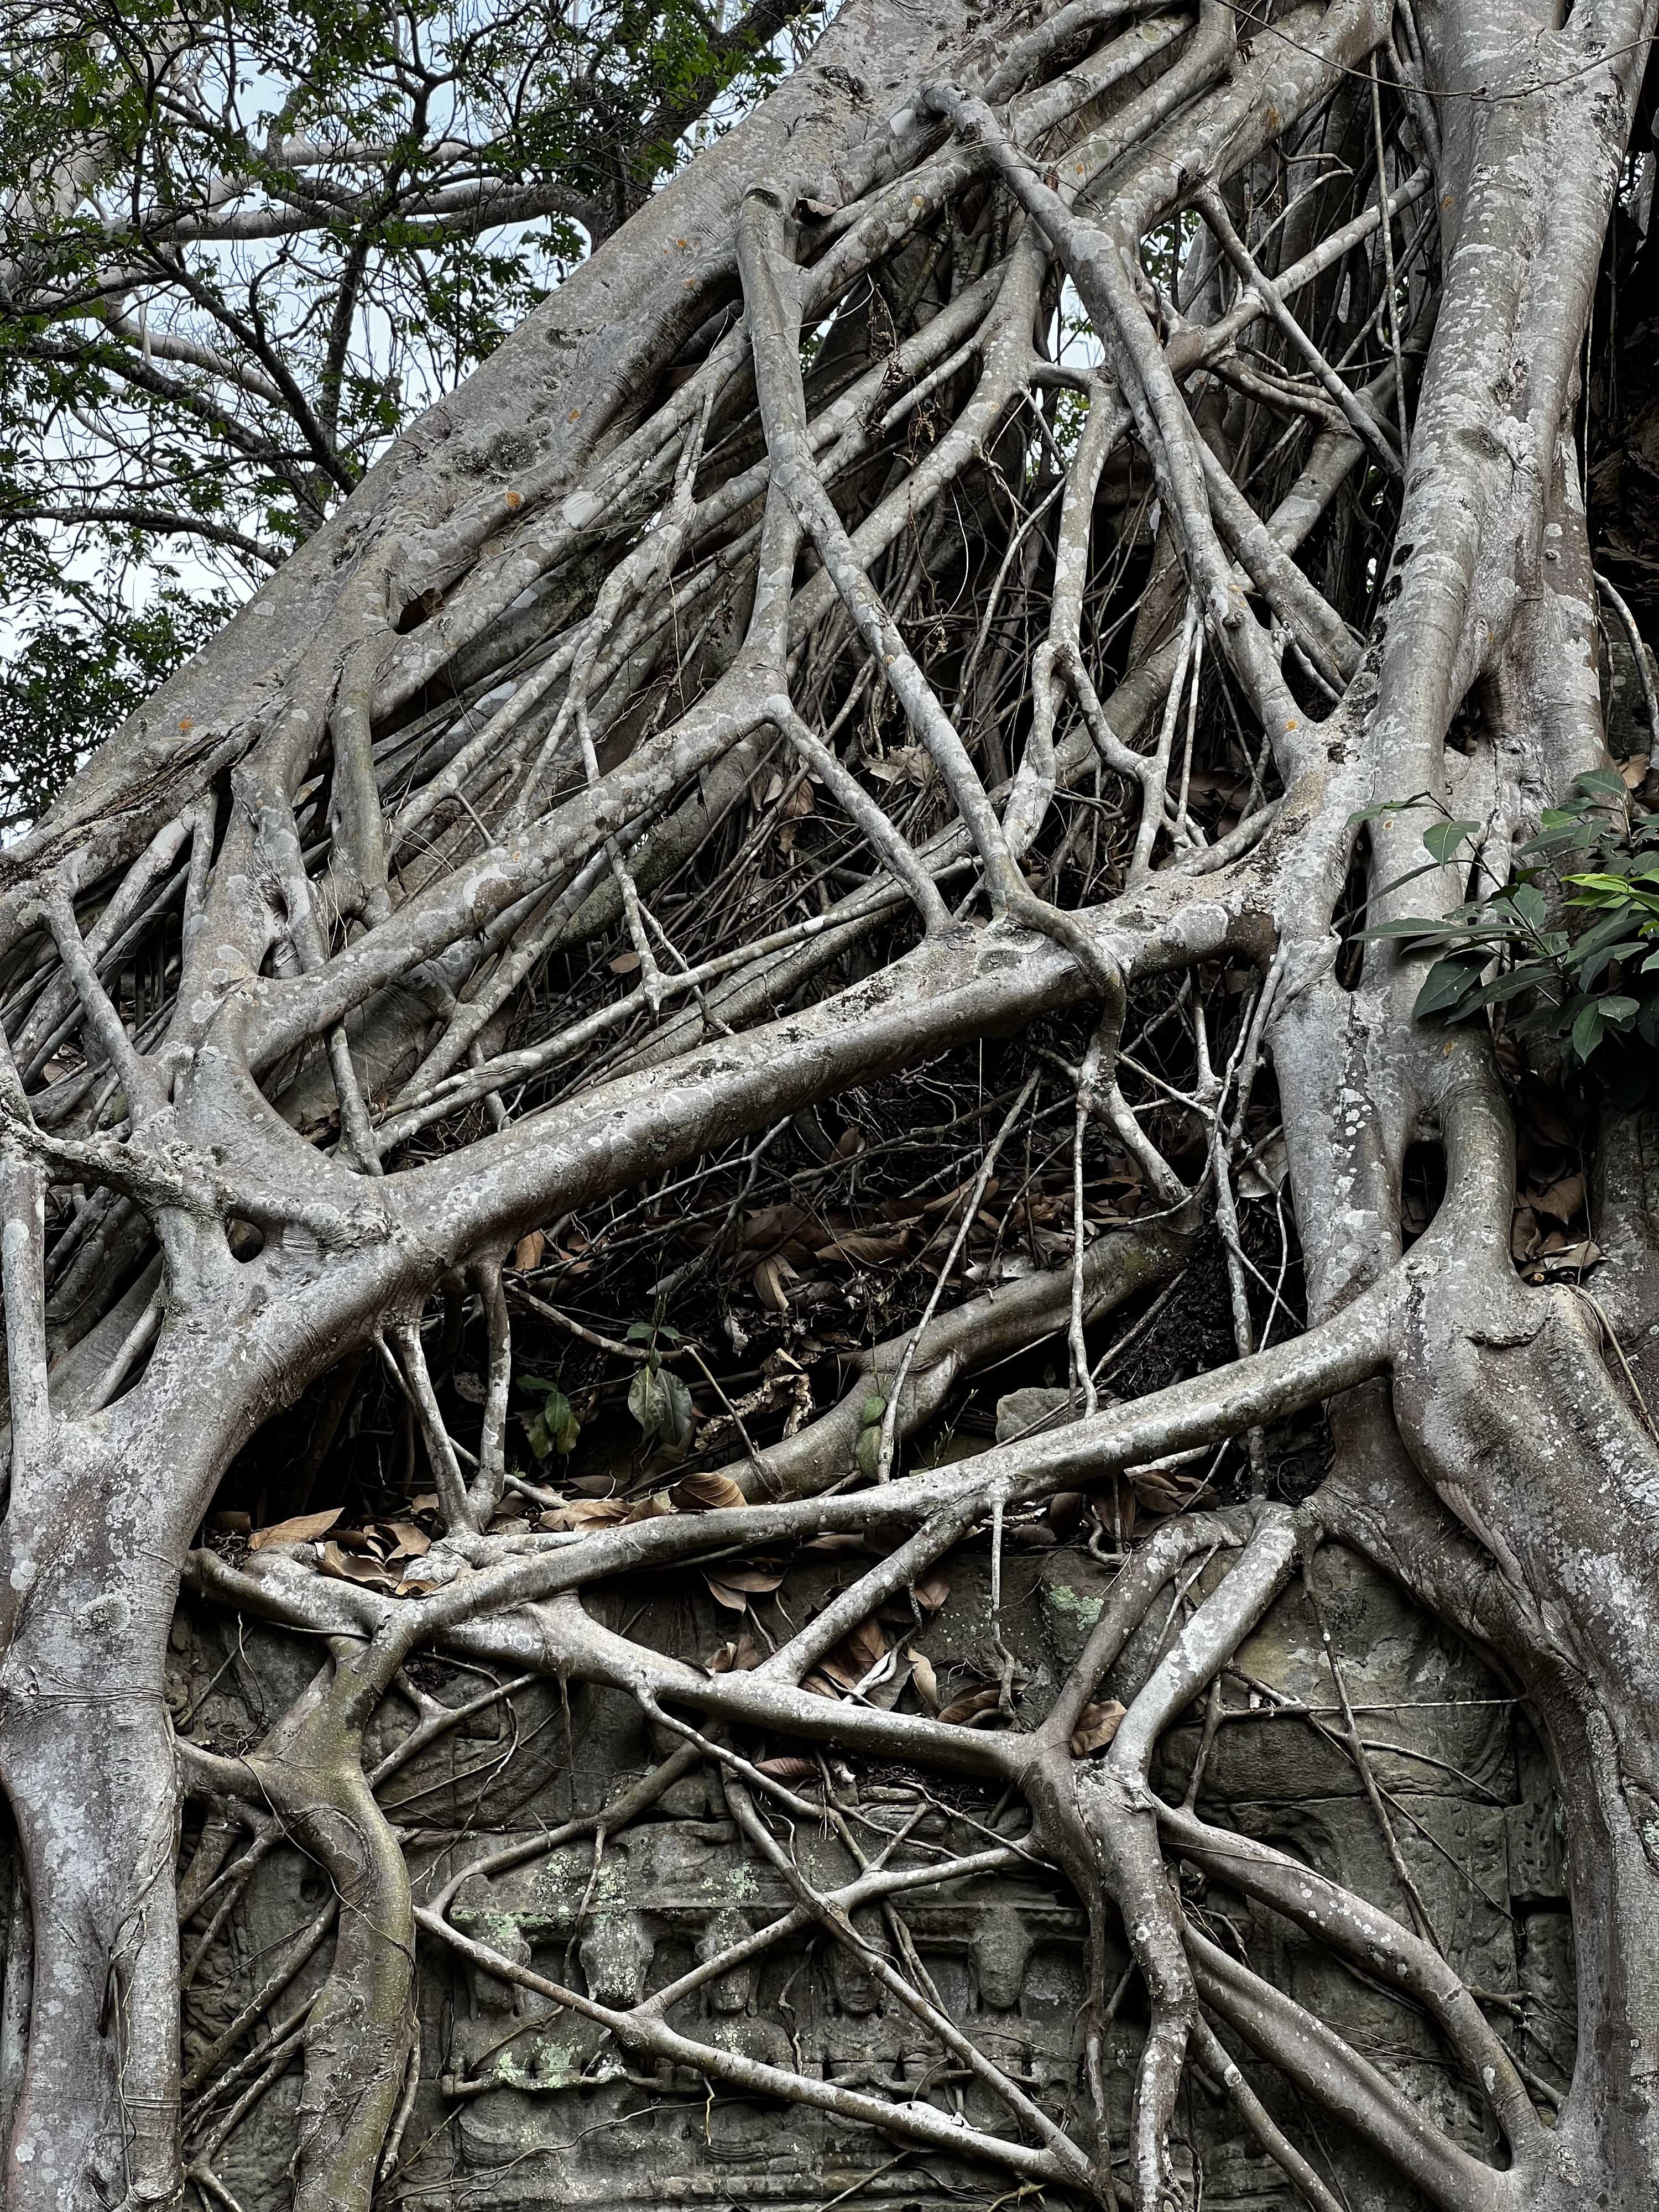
241, 250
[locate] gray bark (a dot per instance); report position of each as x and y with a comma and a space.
353, 853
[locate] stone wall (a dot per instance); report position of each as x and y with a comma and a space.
522, 2104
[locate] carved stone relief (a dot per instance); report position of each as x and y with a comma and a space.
523, 2104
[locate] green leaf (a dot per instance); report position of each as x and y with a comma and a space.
661, 1404
1533, 976
1600, 959
1587, 1031
875, 1405
1414, 925
1388, 806
555, 1428
1603, 779
1528, 903
1446, 983
1444, 838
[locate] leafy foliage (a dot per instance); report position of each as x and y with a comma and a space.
1568, 948
659, 1401
74, 681
554, 1426
240, 250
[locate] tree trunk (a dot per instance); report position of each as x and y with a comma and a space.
827, 856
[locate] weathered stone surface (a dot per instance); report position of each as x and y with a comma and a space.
522, 2104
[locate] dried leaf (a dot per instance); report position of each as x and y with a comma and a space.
1066, 1513
769, 1279
624, 963
970, 1702
1096, 1727
527, 1252
706, 1493
736, 1658
411, 1542
1161, 1491
426, 1503
1562, 1200
932, 1590
354, 1567
788, 1769
585, 1513
926, 1681
735, 1585
861, 1251
858, 1651
657, 1507
303, 1528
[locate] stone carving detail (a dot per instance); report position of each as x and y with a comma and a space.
523, 2104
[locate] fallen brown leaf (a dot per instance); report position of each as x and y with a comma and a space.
302, 1528
1561, 1200
706, 1493
926, 1681
585, 1513
1096, 1727
969, 1703
356, 1567
858, 1651
734, 1586
931, 1589
527, 1252
769, 1279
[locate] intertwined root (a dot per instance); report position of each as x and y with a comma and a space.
1190, 1596
950, 641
